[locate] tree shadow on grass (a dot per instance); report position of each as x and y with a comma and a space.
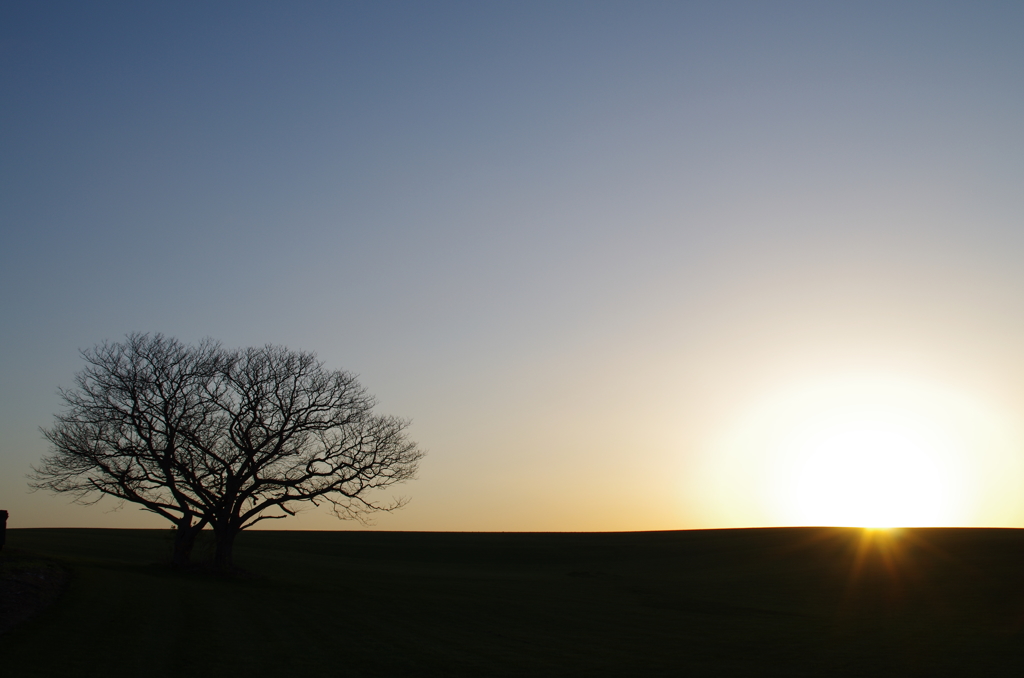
201, 563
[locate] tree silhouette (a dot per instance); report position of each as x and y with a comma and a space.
129, 425
202, 435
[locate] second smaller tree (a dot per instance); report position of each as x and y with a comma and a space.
295, 432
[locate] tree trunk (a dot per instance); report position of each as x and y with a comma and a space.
184, 540
225, 534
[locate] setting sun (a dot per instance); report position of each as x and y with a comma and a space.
866, 451
872, 469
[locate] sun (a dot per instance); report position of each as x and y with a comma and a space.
871, 467
864, 451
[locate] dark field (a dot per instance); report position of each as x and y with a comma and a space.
787, 601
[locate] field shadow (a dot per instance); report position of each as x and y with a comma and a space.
774, 601
28, 585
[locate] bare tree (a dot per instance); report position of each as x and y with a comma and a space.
138, 407
266, 431
295, 432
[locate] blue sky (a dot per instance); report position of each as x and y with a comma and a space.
576, 243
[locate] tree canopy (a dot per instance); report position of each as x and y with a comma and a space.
202, 436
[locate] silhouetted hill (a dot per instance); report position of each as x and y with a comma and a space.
778, 601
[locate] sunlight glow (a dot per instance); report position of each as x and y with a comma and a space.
866, 451
876, 468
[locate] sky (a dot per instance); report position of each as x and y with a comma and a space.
625, 266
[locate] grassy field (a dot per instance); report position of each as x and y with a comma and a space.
787, 601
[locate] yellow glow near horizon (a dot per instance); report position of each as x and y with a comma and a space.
867, 452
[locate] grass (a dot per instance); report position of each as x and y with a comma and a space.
786, 601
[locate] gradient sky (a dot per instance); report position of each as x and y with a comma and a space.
591, 249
